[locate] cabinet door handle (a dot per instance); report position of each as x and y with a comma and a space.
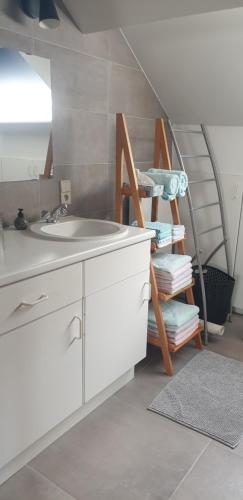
146, 292
42, 298
78, 337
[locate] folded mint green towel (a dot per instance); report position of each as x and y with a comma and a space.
170, 263
174, 313
172, 187
162, 229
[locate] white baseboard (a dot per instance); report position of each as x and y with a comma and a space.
17, 463
237, 310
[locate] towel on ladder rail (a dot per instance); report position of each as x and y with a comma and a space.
175, 182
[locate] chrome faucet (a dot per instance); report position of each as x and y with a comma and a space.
53, 216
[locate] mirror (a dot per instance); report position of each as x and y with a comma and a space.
25, 117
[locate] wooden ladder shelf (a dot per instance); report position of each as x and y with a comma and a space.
161, 150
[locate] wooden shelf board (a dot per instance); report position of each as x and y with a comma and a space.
126, 191
143, 193
155, 249
154, 340
175, 348
165, 297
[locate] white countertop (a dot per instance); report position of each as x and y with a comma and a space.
25, 255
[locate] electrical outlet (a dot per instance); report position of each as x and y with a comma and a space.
66, 198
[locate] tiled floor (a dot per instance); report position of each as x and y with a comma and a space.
123, 452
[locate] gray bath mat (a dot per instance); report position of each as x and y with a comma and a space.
207, 396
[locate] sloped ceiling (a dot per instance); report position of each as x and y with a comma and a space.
99, 15
195, 65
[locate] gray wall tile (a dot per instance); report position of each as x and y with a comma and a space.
20, 195
80, 81
141, 134
79, 137
130, 93
119, 51
49, 194
90, 188
16, 41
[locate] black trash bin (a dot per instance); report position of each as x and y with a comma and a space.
219, 287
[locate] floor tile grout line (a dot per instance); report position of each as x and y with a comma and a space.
49, 480
190, 469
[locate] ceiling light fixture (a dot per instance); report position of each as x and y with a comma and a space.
48, 16
44, 10
31, 8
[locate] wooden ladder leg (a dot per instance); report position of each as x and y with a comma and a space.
155, 200
49, 159
198, 341
119, 174
160, 323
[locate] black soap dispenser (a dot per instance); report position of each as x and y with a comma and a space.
20, 221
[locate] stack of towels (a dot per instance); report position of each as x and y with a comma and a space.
163, 232
178, 232
175, 182
173, 272
166, 234
181, 320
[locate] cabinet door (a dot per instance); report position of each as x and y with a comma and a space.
115, 332
40, 378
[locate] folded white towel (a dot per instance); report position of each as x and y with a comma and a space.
170, 263
178, 228
189, 327
177, 238
174, 283
175, 288
175, 330
183, 334
164, 243
175, 275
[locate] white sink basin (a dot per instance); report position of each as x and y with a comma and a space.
77, 229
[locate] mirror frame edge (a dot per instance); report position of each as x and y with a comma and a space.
49, 160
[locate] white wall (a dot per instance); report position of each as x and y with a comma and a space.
195, 65
97, 15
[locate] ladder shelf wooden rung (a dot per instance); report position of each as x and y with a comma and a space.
165, 297
143, 192
124, 153
155, 248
